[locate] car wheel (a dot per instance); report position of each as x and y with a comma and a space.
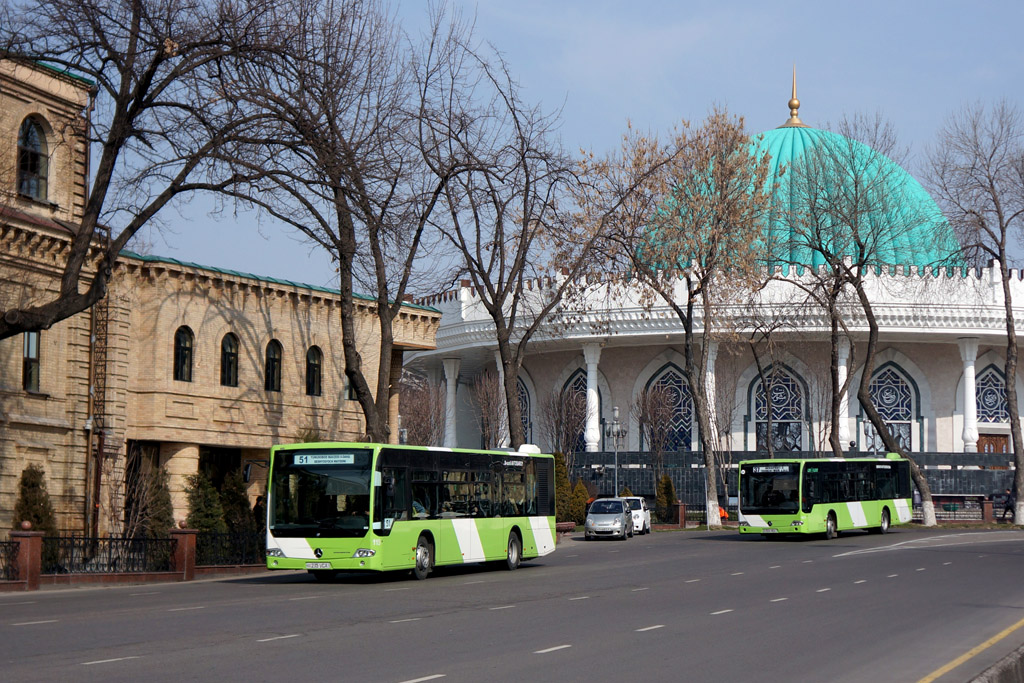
514, 553
424, 558
830, 527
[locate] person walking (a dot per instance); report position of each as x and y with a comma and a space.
1011, 504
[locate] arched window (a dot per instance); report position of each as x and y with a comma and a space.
183, 343
574, 404
314, 370
32, 160
524, 409
785, 400
30, 362
229, 360
990, 389
272, 368
669, 380
893, 398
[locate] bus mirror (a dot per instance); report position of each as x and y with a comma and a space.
376, 478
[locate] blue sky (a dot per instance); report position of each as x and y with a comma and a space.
655, 63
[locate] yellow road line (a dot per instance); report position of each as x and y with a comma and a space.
971, 653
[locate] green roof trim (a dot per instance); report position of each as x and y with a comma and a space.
277, 281
64, 72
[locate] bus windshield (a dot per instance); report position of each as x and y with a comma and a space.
321, 493
770, 488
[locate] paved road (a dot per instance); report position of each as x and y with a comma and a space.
672, 606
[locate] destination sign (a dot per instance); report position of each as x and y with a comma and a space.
325, 459
773, 469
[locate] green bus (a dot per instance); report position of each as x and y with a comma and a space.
349, 507
823, 495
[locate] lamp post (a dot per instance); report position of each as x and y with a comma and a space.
616, 431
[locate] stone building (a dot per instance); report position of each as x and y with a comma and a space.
182, 366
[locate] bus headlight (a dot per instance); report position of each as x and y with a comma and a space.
364, 552
275, 552
797, 522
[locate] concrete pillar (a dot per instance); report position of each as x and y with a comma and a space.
185, 553
592, 433
503, 433
451, 378
30, 557
969, 354
844, 397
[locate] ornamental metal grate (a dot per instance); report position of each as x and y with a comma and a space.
787, 407
681, 425
893, 400
83, 555
9, 560
577, 385
230, 548
990, 390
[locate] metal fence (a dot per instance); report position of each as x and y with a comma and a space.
83, 555
230, 548
9, 560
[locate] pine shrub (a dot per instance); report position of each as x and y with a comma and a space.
563, 491
160, 517
665, 503
204, 509
579, 502
235, 501
33, 502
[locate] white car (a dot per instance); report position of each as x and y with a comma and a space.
641, 514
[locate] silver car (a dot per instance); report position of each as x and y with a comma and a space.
610, 518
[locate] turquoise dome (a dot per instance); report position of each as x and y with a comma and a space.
911, 227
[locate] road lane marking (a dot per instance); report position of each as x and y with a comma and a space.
33, 623
304, 597
267, 640
920, 569
185, 609
636, 590
501, 607
425, 678
693, 581
551, 649
27, 602
737, 573
946, 563
108, 661
572, 555
861, 581
613, 551
402, 621
808, 561
823, 590
943, 541
470, 583
582, 597
650, 628
392, 590
721, 611
149, 593
892, 576
974, 651
778, 599
775, 566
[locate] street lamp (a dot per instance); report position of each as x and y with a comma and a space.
616, 431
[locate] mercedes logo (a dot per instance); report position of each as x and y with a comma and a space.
319, 553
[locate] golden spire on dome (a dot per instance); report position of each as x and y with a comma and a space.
794, 108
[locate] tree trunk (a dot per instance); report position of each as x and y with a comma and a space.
695, 376
1011, 394
864, 396
837, 391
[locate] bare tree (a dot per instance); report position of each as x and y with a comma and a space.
858, 211
159, 116
977, 172
654, 411
423, 411
695, 231
488, 398
564, 414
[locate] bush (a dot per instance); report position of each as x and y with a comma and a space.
235, 500
204, 509
33, 503
665, 503
625, 492
563, 491
580, 496
160, 517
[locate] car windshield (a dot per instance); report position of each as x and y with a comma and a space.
634, 503
606, 507
320, 493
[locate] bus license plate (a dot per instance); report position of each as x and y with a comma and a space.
318, 565
769, 531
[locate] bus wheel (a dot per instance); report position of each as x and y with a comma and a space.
515, 552
424, 558
883, 526
830, 526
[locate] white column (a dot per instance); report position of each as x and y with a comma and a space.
969, 354
844, 397
451, 379
592, 433
503, 436
710, 390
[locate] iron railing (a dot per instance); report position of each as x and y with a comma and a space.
84, 555
9, 560
230, 548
